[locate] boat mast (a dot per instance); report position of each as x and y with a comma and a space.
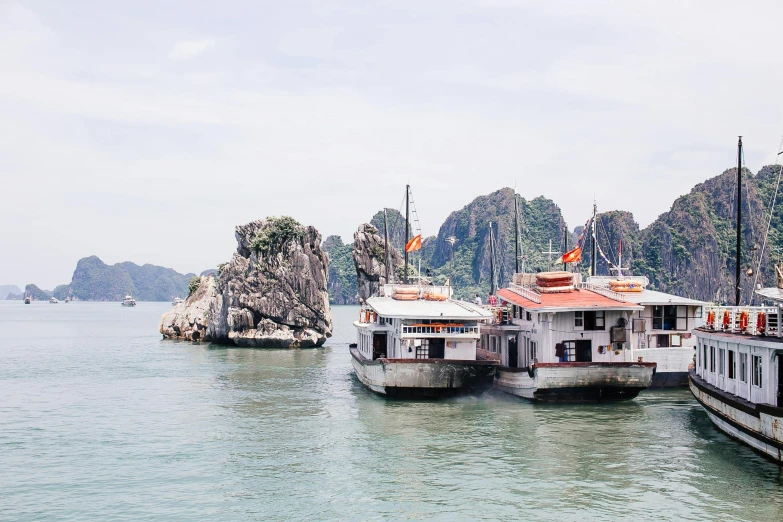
386, 245
516, 234
407, 228
565, 245
595, 243
492, 286
739, 222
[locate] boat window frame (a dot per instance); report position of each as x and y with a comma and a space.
757, 371
732, 365
679, 319
721, 361
579, 320
704, 357
712, 359
743, 363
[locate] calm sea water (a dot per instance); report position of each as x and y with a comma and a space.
102, 420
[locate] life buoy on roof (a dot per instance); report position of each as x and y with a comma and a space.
761, 322
726, 319
743, 321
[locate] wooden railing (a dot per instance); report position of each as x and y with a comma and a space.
527, 293
440, 330
602, 290
736, 322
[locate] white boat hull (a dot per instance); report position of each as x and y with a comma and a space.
423, 378
576, 382
760, 426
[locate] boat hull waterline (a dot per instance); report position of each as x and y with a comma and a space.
423, 378
573, 382
760, 426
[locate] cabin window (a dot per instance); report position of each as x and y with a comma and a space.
698, 312
493, 342
662, 340
756, 370
676, 340
732, 365
528, 316
670, 317
704, 357
743, 367
533, 346
590, 320
721, 361
712, 359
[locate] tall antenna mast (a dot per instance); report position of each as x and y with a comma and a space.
386, 245
565, 244
516, 234
407, 228
595, 242
492, 284
739, 222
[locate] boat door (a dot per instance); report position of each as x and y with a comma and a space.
378, 346
780, 380
584, 350
513, 352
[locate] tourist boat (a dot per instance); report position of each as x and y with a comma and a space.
128, 301
27, 298
661, 333
53, 300
560, 340
415, 341
738, 372
176, 301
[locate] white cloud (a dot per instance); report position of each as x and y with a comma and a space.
187, 49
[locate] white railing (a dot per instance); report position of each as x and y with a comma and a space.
602, 290
742, 319
439, 330
527, 293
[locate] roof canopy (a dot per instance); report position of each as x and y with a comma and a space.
421, 309
568, 301
652, 297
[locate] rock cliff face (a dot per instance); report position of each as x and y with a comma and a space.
342, 273
272, 294
369, 260
189, 319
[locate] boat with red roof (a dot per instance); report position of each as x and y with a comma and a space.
558, 339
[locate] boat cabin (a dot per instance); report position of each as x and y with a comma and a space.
421, 328
586, 323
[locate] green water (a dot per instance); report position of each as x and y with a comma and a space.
102, 420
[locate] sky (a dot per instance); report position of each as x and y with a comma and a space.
146, 131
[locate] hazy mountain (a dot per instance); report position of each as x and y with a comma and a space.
10, 291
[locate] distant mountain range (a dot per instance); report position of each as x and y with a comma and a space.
9, 290
94, 280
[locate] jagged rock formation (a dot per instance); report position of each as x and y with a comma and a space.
272, 294
35, 293
369, 257
9, 291
395, 222
342, 272
189, 319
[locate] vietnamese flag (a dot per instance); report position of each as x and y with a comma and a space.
572, 256
414, 244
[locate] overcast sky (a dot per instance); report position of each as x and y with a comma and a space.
147, 130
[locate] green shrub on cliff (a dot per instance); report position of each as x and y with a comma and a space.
278, 232
193, 284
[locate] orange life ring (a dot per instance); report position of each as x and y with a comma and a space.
711, 319
761, 322
726, 319
743, 321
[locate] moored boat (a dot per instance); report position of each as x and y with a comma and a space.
560, 340
412, 347
53, 300
128, 301
737, 375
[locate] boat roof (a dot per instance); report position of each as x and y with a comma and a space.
581, 299
653, 297
422, 309
773, 294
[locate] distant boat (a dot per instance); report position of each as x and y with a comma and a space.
128, 301
53, 300
177, 300
27, 298
67, 299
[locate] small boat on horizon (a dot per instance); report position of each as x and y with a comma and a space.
27, 298
176, 301
53, 300
128, 301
